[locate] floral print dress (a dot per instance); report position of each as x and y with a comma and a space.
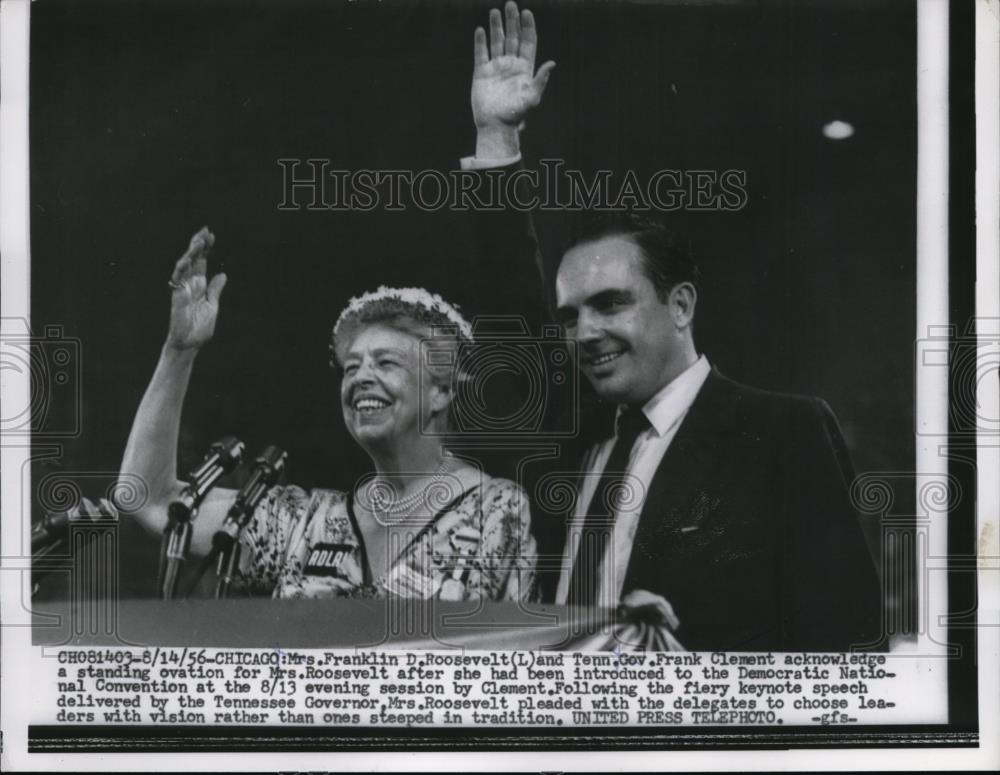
301, 544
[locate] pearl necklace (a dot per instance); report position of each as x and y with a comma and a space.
390, 510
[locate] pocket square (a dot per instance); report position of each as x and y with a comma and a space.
703, 507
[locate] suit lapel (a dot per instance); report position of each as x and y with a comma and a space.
683, 479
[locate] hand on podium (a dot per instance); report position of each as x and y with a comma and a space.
657, 614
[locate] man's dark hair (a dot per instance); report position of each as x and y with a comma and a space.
668, 258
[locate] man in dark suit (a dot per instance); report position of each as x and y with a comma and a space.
737, 512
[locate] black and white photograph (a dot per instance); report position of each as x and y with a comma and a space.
500, 376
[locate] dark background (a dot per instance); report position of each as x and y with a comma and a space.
148, 121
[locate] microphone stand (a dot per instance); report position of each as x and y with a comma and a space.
222, 457
173, 553
267, 469
52, 537
270, 465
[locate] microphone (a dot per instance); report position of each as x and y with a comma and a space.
50, 531
53, 529
223, 456
268, 467
50, 535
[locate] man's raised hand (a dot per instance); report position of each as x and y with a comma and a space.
505, 86
194, 302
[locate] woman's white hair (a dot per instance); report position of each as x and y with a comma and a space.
388, 303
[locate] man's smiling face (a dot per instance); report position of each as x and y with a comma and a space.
628, 340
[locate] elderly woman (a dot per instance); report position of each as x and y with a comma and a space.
424, 525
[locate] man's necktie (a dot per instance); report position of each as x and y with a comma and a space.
600, 515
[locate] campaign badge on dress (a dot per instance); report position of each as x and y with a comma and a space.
327, 559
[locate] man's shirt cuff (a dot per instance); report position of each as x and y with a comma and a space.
474, 163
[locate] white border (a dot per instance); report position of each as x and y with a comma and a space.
15, 642
932, 303
932, 203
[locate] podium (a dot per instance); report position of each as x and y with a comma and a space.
86, 604
327, 623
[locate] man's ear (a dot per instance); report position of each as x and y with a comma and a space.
683, 299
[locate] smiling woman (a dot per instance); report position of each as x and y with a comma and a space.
399, 332
424, 525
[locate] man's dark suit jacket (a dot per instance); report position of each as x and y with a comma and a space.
747, 528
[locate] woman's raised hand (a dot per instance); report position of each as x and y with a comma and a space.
194, 303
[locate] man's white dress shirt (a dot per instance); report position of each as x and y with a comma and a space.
665, 412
